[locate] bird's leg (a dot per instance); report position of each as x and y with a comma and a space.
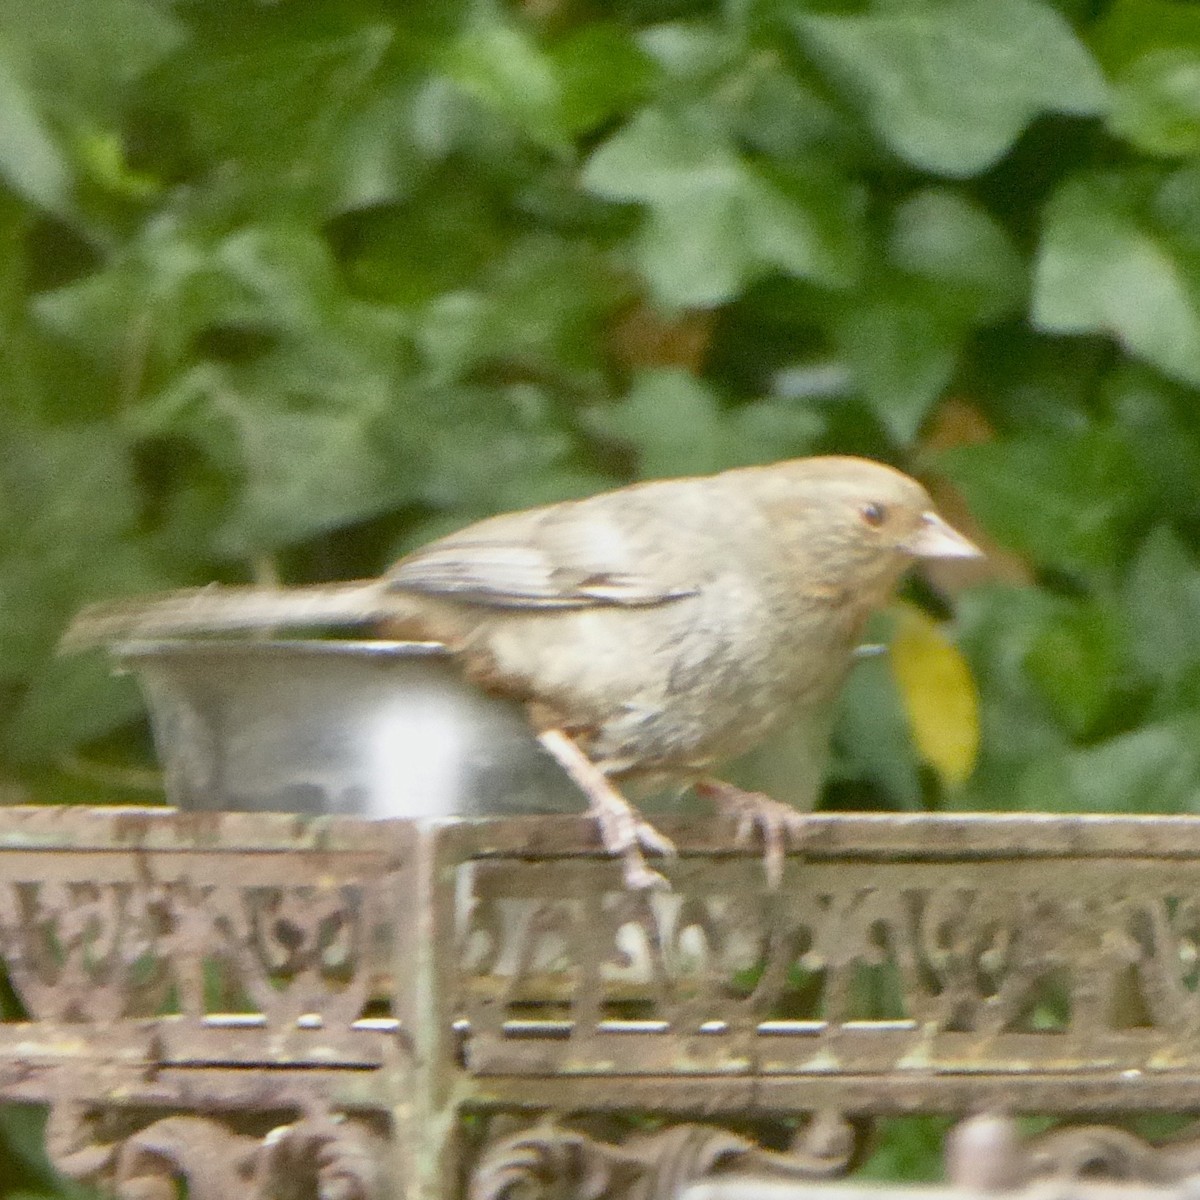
623, 832
778, 824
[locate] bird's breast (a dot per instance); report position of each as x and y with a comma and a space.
691, 681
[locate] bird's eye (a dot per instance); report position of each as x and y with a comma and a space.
873, 514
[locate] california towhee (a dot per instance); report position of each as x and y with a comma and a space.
652, 632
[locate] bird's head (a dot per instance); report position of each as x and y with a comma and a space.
860, 524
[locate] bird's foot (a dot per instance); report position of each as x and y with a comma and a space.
778, 824
624, 833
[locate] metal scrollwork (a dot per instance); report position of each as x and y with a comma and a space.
316, 1155
251, 1005
1109, 1153
988, 1154
872, 966
299, 949
98, 952
82, 951
550, 1161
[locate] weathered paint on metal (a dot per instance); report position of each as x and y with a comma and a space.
438, 990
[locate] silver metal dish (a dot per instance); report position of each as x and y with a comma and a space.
376, 729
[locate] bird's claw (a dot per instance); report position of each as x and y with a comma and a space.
626, 835
779, 825
636, 873
640, 877
634, 869
649, 838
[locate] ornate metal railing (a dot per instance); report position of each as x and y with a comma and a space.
263, 1004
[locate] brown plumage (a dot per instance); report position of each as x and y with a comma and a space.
653, 631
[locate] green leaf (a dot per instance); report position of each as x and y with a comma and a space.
901, 354
277, 281
941, 236
1075, 659
694, 53
72, 700
655, 156
716, 221
299, 465
80, 56
677, 427
1161, 426
1065, 499
376, 159
785, 117
949, 266
1130, 28
499, 63
1162, 607
70, 510
477, 451
283, 275
31, 162
437, 242
305, 472
950, 84
1156, 103
602, 72
303, 94
539, 302
1172, 208
766, 431
805, 221
693, 247
874, 739
1102, 267
997, 628
102, 158
693, 251
1155, 769
673, 422
140, 299
65, 489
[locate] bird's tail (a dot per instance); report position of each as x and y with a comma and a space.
220, 609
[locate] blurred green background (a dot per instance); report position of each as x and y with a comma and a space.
286, 288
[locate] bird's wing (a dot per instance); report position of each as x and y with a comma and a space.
537, 559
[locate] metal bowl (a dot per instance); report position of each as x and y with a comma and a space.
375, 729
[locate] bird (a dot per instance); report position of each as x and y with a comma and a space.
652, 632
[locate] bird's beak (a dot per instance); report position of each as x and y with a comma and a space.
934, 538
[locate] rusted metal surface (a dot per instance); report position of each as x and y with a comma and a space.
984, 1156
437, 1009
311, 1154
987, 1156
206, 997
651, 1166
933, 958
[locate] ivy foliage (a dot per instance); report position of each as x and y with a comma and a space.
287, 288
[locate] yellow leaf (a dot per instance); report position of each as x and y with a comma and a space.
938, 693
